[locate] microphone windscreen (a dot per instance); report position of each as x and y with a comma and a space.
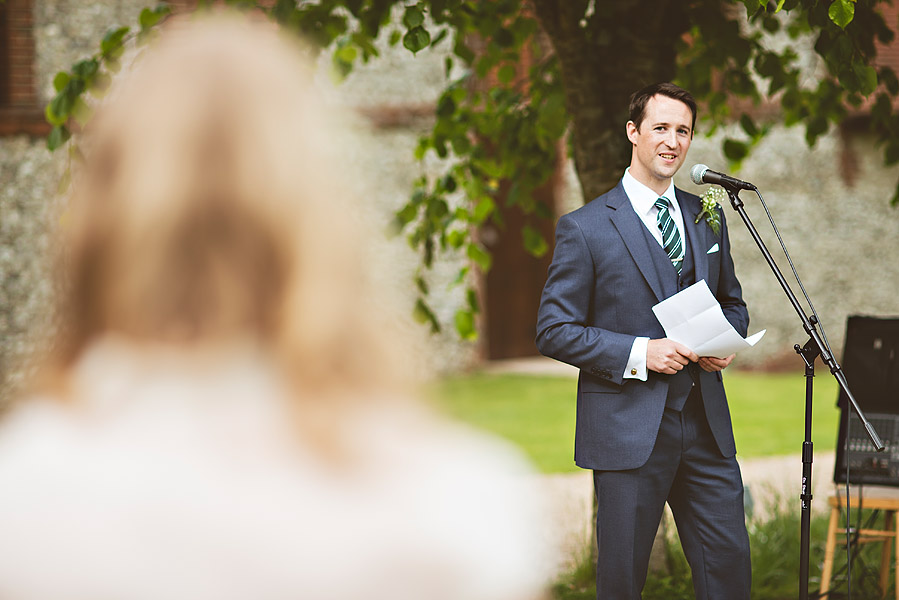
697, 172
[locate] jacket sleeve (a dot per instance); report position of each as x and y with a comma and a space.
564, 324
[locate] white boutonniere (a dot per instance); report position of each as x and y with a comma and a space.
711, 209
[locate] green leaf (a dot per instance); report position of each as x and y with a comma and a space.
446, 106
506, 73
437, 208
58, 136
471, 297
421, 148
50, 114
100, 84
365, 43
753, 6
406, 214
483, 209
534, 242
346, 53
413, 17
283, 10
504, 38
81, 112
60, 81
867, 78
841, 12
111, 45
441, 35
60, 108
463, 51
395, 36
422, 285
457, 238
461, 144
416, 39
882, 109
86, 69
448, 183
735, 151
748, 126
889, 79
150, 17
479, 256
465, 324
423, 314
815, 127
891, 152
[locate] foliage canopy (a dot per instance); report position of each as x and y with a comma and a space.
501, 118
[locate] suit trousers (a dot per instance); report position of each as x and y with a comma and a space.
705, 493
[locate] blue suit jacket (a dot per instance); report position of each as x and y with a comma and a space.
598, 297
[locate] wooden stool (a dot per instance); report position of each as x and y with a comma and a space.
890, 532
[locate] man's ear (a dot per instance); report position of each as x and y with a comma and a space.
632, 132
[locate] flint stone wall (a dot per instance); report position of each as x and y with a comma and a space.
840, 230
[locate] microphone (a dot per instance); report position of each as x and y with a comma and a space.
701, 174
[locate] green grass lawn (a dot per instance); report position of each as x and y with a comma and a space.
537, 412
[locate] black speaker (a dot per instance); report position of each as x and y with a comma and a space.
871, 365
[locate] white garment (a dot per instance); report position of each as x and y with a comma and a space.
172, 480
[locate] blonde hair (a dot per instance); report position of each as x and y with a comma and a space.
209, 211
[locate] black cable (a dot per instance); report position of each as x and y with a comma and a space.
795, 273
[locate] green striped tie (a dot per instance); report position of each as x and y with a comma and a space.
670, 235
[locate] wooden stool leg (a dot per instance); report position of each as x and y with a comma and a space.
896, 572
885, 552
827, 570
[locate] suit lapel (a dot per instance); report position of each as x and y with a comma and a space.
697, 244
630, 228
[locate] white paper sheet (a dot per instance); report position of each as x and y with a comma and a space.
694, 318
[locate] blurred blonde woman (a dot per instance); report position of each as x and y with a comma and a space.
222, 415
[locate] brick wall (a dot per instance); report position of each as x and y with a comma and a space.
20, 111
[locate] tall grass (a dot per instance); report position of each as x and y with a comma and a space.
774, 545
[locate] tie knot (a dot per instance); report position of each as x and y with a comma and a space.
662, 203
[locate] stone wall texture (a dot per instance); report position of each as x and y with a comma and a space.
840, 230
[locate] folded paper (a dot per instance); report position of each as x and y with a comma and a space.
694, 318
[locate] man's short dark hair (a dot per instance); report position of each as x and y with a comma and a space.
641, 98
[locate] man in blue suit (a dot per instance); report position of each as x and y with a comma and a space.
652, 418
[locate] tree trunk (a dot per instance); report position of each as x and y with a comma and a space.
605, 57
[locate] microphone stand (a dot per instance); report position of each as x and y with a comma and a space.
815, 347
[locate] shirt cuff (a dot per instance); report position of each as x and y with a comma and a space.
636, 362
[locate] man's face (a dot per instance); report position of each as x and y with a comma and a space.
661, 142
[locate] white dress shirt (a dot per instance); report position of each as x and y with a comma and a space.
643, 201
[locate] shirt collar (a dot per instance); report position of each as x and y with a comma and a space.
642, 198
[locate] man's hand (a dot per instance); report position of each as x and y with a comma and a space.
667, 356
712, 364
